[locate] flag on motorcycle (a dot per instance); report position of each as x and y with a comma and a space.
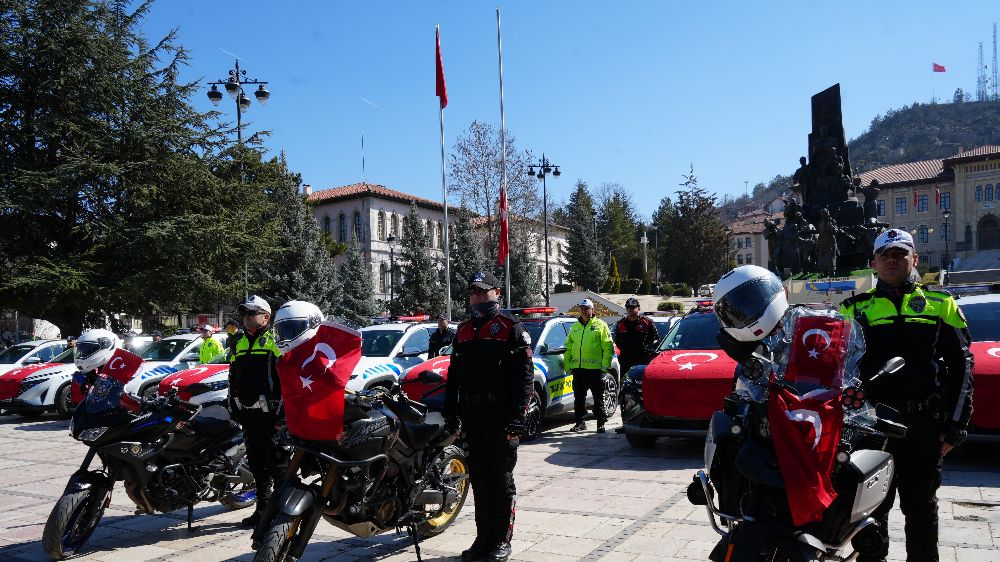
818, 351
122, 366
805, 431
313, 377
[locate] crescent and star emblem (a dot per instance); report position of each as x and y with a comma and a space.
689, 366
813, 353
808, 416
111, 365
994, 351
325, 350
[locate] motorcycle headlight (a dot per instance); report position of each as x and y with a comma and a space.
92, 434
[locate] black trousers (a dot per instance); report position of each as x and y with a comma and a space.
491, 469
258, 434
918, 464
592, 380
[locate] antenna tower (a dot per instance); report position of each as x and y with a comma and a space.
995, 91
981, 93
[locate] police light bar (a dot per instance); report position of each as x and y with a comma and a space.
419, 318
705, 303
537, 310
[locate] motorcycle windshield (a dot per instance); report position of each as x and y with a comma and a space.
104, 396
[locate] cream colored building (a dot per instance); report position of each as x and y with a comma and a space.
747, 244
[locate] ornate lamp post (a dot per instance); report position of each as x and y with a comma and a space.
947, 239
234, 87
544, 168
391, 239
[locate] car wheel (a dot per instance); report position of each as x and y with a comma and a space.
64, 401
610, 394
639, 440
149, 393
533, 419
30, 414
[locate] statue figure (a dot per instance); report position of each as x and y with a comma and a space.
871, 199
789, 250
805, 237
869, 231
801, 182
792, 206
773, 236
827, 251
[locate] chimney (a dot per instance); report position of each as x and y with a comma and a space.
307, 189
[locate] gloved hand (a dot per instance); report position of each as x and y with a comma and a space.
453, 424
518, 426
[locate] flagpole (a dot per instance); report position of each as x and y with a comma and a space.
503, 153
444, 192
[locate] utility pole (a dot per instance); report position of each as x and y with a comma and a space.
544, 169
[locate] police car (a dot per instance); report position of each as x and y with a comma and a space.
206, 384
389, 349
164, 357
553, 392
982, 312
31, 390
30, 353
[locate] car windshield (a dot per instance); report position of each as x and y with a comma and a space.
379, 343
15, 352
661, 327
984, 320
64, 357
696, 331
163, 350
534, 330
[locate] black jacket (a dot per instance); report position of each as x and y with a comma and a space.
440, 339
636, 340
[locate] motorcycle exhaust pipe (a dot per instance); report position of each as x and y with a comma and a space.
430, 497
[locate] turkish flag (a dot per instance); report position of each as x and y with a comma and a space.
937, 67
914, 199
818, 350
504, 243
805, 431
313, 377
937, 197
122, 366
441, 89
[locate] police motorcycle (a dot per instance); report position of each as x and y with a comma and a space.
171, 454
746, 487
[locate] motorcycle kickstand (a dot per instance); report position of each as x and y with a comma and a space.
411, 530
190, 517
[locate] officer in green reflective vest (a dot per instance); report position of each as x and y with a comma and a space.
255, 396
932, 393
210, 347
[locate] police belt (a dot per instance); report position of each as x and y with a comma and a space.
476, 398
932, 404
260, 404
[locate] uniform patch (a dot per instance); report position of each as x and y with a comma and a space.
495, 329
918, 304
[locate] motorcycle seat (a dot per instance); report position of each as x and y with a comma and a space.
211, 420
420, 434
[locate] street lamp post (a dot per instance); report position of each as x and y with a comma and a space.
645, 257
947, 239
392, 269
234, 87
544, 168
656, 259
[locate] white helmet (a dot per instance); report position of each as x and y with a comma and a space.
296, 322
94, 348
749, 302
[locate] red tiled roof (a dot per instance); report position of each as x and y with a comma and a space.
987, 150
753, 223
909, 172
365, 189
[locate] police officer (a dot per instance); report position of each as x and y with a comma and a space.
210, 347
489, 384
635, 336
932, 393
589, 351
255, 396
235, 334
442, 337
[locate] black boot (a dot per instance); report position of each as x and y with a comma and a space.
501, 552
580, 426
263, 496
477, 551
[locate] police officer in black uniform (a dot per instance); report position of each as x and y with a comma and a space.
442, 337
635, 336
932, 392
489, 384
255, 396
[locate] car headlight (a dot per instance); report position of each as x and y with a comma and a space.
92, 434
201, 388
28, 384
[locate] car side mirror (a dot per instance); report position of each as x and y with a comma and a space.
554, 351
32, 360
444, 350
411, 351
430, 377
190, 357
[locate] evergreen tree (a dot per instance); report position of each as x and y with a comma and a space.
613, 283
698, 238
466, 259
357, 304
525, 287
664, 218
418, 289
584, 262
618, 225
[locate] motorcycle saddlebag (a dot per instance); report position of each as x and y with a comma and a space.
861, 484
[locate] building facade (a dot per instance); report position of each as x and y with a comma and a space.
368, 214
747, 244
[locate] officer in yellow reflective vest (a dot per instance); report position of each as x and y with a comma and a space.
255, 396
210, 347
589, 351
932, 393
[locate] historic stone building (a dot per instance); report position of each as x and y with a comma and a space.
368, 213
747, 244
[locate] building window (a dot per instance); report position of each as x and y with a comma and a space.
945, 232
342, 228
739, 243
988, 194
383, 277
326, 224
749, 259
921, 203
901, 205
538, 245
746, 243
946, 200
541, 275
440, 230
979, 193
559, 247
923, 234
739, 259
881, 207
381, 225
394, 226
357, 226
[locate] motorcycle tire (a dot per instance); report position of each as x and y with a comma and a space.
452, 462
784, 549
71, 522
239, 496
274, 546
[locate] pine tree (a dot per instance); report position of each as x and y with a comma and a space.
618, 225
357, 303
584, 262
698, 237
613, 282
466, 259
525, 287
418, 289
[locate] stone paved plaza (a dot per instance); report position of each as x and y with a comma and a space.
581, 497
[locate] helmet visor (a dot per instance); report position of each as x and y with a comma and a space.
288, 330
745, 304
85, 349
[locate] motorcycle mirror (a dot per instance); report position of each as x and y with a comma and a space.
429, 377
891, 366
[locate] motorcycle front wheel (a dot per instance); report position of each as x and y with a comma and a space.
274, 546
454, 471
72, 521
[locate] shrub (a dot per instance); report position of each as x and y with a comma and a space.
666, 290
630, 286
682, 290
668, 306
563, 288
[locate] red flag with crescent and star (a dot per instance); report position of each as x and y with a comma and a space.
805, 431
818, 350
122, 366
313, 378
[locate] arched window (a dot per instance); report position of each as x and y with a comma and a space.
383, 277
381, 225
342, 229
979, 193
326, 224
357, 226
440, 231
989, 192
394, 226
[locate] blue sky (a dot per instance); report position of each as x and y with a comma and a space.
627, 92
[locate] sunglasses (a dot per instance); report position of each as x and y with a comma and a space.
479, 291
252, 313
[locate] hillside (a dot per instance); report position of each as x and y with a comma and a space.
920, 131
